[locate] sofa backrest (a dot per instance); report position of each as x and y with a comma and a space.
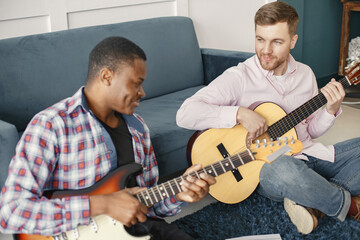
37, 71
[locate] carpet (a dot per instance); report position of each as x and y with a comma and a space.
258, 215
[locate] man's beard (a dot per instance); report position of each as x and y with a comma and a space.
272, 65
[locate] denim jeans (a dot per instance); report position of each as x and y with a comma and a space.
316, 183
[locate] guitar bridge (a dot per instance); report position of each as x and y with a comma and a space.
225, 154
61, 236
237, 174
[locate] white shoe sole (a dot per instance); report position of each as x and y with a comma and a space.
299, 216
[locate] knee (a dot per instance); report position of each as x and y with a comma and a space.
283, 171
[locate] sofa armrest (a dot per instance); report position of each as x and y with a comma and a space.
9, 137
216, 61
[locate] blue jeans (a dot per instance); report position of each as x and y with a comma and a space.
316, 183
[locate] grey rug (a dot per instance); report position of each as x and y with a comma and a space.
258, 215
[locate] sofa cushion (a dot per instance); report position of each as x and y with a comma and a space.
39, 70
8, 139
216, 61
160, 115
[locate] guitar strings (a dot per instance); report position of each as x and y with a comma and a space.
296, 116
159, 191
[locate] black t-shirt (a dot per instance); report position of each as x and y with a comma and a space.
122, 141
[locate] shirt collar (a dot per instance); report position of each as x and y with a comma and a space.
78, 99
134, 122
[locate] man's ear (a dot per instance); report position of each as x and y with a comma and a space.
106, 76
293, 41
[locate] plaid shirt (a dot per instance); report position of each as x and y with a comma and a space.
64, 147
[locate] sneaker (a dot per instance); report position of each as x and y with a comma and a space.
357, 201
305, 219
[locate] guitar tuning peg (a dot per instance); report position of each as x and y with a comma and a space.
278, 141
264, 140
257, 143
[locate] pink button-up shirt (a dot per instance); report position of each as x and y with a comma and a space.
216, 105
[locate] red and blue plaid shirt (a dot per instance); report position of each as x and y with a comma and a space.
63, 147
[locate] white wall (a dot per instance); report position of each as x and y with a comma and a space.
223, 24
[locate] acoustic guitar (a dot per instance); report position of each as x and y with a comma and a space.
233, 188
103, 227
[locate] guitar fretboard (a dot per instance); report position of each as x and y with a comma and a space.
158, 193
296, 116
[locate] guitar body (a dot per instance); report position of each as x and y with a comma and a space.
107, 228
204, 151
102, 227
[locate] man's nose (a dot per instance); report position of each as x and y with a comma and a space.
267, 48
142, 92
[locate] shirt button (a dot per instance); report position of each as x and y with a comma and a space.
110, 151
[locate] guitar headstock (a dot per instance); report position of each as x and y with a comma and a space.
270, 150
353, 75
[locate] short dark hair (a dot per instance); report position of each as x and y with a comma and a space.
110, 53
275, 12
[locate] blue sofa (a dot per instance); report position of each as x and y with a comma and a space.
37, 71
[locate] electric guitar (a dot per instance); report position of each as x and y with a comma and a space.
203, 146
104, 227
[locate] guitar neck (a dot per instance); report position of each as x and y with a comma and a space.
158, 193
299, 114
